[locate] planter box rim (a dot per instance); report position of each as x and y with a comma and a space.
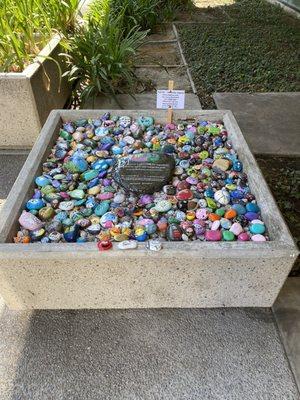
281, 239
36, 63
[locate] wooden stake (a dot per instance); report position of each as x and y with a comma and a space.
169, 115
170, 110
171, 85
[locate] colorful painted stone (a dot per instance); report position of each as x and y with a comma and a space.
222, 196
181, 182
213, 236
30, 221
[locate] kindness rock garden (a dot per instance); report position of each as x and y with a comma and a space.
115, 179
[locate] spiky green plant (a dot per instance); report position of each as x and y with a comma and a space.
100, 57
27, 25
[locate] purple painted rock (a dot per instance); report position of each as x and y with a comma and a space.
251, 215
213, 236
30, 221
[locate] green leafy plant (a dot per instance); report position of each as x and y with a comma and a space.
100, 57
27, 25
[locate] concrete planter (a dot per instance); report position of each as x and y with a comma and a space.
195, 274
26, 98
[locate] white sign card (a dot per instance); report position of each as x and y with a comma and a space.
170, 98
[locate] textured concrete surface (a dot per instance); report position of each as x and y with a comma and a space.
10, 166
140, 101
195, 274
26, 98
287, 314
159, 77
269, 121
143, 354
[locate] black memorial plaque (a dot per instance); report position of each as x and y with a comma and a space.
144, 173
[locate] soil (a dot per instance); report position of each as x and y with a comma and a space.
283, 177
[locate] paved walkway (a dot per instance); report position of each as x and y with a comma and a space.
228, 354
269, 121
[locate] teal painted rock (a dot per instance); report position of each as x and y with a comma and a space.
90, 174
257, 229
102, 208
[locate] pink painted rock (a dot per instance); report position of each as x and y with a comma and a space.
258, 238
236, 229
201, 213
213, 236
244, 237
105, 196
30, 221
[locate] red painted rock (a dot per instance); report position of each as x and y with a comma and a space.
213, 236
185, 194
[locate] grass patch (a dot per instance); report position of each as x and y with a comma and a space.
283, 177
256, 49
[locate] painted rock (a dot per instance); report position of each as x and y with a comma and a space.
46, 213
230, 214
252, 207
163, 206
76, 164
90, 174
77, 194
225, 223
240, 209
185, 194
221, 163
42, 181
257, 228
228, 236
30, 221
154, 245
102, 208
201, 214
119, 198
213, 236
66, 205
35, 204
258, 238
244, 237
72, 235
251, 215
236, 228
108, 217
128, 245
222, 196
93, 229
125, 121
215, 225
174, 232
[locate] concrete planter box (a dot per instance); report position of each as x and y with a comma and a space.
195, 274
26, 98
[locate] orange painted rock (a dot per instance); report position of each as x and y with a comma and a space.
230, 214
214, 217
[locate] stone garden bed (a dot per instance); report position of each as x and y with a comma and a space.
195, 273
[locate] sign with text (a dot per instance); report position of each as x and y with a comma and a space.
170, 98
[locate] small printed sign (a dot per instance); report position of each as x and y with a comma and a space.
170, 99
